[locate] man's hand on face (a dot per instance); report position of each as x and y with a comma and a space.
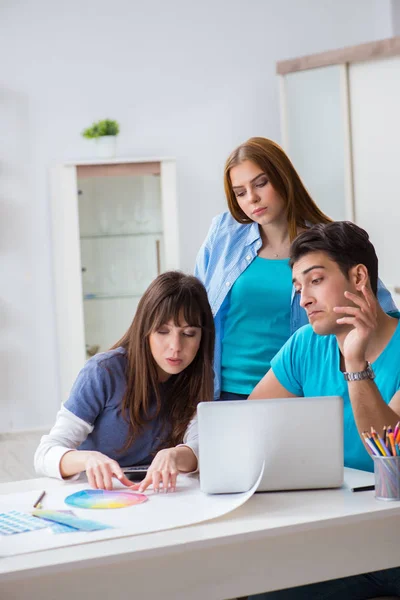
363, 318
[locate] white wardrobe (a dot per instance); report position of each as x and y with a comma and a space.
114, 229
340, 113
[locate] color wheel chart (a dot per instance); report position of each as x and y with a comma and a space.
105, 499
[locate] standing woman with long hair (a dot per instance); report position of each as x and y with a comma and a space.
244, 264
134, 404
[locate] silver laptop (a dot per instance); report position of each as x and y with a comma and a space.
299, 441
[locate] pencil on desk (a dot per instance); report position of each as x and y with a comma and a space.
39, 500
396, 430
363, 488
384, 434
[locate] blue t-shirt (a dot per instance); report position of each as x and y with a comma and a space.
257, 323
309, 365
96, 397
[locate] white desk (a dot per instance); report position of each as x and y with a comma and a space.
275, 540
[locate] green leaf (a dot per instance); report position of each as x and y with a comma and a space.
101, 128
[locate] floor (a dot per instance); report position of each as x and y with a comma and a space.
16, 455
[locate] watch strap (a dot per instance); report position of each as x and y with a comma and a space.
367, 373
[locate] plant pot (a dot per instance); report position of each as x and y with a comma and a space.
106, 146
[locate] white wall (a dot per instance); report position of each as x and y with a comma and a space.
185, 79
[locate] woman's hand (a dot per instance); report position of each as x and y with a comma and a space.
163, 469
100, 470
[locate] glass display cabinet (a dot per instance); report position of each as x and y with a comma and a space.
115, 229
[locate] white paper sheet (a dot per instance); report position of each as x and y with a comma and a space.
187, 506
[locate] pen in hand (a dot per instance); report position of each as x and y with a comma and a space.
39, 500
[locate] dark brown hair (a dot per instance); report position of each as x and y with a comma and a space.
169, 297
266, 154
344, 242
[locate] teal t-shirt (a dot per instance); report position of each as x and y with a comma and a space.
309, 365
257, 323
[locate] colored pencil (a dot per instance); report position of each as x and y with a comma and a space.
387, 470
371, 445
391, 441
398, 437
39, 500
384, 446
378, 442
373, 448
379, 449
378, 452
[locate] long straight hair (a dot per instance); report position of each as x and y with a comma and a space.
171, 296
301, 210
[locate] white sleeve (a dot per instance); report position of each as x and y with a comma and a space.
191, 439
67, 434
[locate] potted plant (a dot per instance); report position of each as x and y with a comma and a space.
105, 135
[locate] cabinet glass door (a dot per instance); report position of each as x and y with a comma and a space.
121, 242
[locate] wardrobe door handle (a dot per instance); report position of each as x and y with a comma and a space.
158, 257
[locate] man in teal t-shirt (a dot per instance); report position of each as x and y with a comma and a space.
310, 365
351, 349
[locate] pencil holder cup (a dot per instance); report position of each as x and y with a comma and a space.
387, 477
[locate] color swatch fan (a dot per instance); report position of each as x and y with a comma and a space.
105, 499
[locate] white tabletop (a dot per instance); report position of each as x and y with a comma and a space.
275, 540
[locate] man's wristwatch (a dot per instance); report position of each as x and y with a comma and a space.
360, 375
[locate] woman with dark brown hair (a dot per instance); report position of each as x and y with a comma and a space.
244, 264
134, 404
